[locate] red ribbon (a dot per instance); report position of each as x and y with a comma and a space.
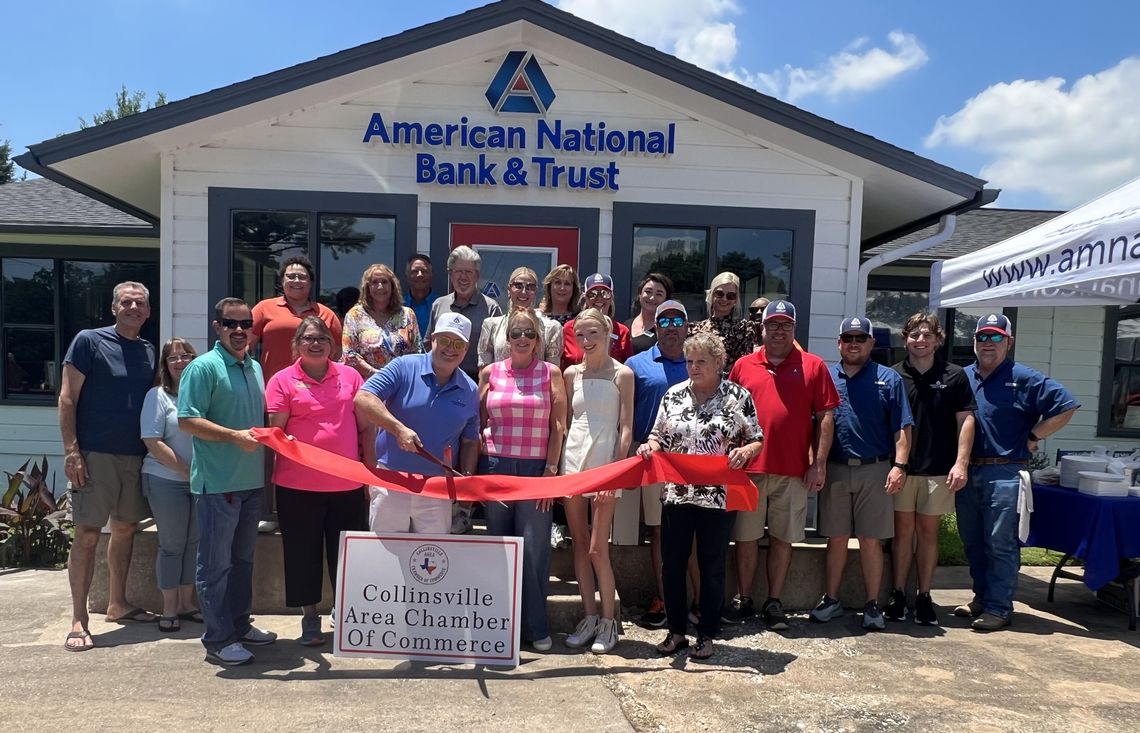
624, 474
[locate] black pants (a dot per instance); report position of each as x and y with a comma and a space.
311, 523
712, 528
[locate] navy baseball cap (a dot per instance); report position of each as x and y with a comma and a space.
780, 309
994, 323
598, 280
855, 324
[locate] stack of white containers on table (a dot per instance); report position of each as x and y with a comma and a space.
1072, 466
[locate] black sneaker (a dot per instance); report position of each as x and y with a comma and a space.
738, 611
774, 616
896, 606
655, 616
924, 613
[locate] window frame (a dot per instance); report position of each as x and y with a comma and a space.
1112, 318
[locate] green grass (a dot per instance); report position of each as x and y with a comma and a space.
950, 550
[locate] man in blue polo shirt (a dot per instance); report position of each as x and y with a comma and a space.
422, 401
654, 372
1017, 407
418, 295
868, 465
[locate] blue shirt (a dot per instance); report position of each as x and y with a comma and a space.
440, 414
422, 309
1011, 400
653, 375
872, 407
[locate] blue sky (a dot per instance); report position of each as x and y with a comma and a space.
1040, 98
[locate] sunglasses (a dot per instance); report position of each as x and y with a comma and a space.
449, 342
313, 340
856, 338
232, 323
670, 321
596, 294
723, 295
296, 276
518, 333
993, 338
527, 287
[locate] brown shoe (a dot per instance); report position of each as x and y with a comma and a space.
989, 622
973, 609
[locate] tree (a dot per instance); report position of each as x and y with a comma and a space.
126, 104
7, 167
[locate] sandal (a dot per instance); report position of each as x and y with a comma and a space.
703, 649
673, 643
169, 624
85, 635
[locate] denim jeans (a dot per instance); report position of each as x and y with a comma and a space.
174, 515
227, 535
987, 523
523, 519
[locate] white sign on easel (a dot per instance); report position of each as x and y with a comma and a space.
437, 598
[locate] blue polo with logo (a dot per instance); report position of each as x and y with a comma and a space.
872, 408
440, 414
1011, 400
653, 375
422, 309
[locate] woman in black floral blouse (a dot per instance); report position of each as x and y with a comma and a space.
704, 415
725, 318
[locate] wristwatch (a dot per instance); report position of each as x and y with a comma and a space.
904, 467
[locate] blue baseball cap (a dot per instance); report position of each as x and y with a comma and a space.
780, 309
598, 280
995, 323
855, 324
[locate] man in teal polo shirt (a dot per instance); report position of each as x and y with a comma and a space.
222, 396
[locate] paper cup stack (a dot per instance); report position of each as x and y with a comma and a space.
1098, 483
1071, 467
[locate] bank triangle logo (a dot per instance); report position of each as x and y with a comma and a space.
520, 86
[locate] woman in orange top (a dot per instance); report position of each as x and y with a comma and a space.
275, 320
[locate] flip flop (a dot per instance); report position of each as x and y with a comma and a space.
169, 624
672, 645
195, 616
79, 635
134, 616
703, 650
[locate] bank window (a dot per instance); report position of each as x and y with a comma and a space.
349, 244
762, 258
679, 252
45, 303
1120, 397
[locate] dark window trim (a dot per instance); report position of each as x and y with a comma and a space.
801, 222
1104, 429
223, 201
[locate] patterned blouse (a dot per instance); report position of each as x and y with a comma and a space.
562, 318
379, 344
493, 344
736, 333
725, 421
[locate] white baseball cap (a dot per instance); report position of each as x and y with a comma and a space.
454, 323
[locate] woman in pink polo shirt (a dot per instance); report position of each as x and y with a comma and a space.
312, 401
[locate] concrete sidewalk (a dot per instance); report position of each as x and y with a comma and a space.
1066, 666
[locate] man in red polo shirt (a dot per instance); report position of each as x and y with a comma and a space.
794, 397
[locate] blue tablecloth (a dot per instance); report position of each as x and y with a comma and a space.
1100, 530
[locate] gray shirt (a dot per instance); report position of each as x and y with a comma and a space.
477, 310
160, 420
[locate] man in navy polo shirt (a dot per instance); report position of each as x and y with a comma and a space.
419, 296
868, 465
1017, 407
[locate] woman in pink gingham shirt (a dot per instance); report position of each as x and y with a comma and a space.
523, 414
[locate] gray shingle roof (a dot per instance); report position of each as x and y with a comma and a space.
43, 203
974, 230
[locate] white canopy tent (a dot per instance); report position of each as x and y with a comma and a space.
1087, 256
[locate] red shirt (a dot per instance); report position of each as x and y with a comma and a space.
620, 347
274, 325
786, 397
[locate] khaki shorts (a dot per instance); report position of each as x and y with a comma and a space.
113, 490
633, 507
855, 502
925, 495
784, 500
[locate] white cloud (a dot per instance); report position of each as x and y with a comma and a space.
1070, 145
699, 31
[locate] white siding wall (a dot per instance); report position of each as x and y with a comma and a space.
31, 432
319, 148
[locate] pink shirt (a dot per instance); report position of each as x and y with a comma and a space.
518, 410
320, 413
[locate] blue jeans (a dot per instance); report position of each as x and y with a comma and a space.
523, 519
227, 535
987, 523
174, 515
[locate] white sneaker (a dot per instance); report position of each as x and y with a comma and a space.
230, 656
607, 636
265, 526
559, 538
332, 617
542, 645
258, 637
586, 631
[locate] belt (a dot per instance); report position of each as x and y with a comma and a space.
861, 461
996, 461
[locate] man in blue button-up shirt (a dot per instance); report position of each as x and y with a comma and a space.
1017, 407
868, 465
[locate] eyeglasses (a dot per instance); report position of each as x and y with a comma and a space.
449, 342
231, 323
521, 286
464, 272
785, 327
381, 281
857, 338
313, 340
175, 358
518, 333
296, 276
599, 294
722, 295
993, 338
670, 321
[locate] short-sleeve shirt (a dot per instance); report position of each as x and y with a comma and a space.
1011, 400
476, 310
440, 414
160, 420
872, 408
620, 348
275, 324
118, 372
787, 396
422, 309
653, 375
725, 421
321, 414
231, 393
379, 343
936, 397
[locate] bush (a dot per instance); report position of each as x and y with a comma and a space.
35, 530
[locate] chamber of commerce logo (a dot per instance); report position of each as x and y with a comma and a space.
428, 564
520, 86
